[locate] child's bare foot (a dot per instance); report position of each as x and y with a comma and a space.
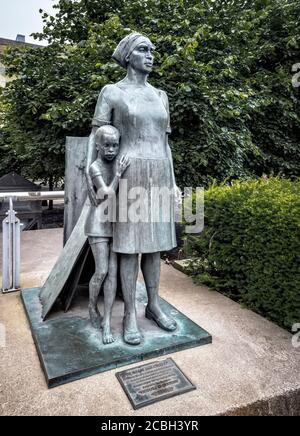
131, 333
107, 336
95, 317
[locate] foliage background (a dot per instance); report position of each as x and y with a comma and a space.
250, 246
225, 64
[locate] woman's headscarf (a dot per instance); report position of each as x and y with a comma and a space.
126, 47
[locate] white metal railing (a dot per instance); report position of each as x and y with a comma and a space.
11, 236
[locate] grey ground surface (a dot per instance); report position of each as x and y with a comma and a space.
251, 367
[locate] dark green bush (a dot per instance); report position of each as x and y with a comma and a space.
250, 246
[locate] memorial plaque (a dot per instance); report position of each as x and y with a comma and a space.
153, 382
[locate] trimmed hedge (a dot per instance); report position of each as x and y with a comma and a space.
250, 246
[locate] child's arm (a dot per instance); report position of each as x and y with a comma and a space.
102, 188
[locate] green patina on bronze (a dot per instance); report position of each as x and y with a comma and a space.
70, 348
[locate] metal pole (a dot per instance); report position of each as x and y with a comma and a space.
11, 236
16, 253
11, 251
5, 253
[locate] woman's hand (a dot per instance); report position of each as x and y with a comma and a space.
177, 194
122, 164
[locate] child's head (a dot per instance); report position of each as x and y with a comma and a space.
107, 140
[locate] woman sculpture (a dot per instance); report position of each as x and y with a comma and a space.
140, 112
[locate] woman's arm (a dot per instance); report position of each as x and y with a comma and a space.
169, 154
91, 156
102, 116
168, 131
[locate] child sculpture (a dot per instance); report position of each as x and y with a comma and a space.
105, 173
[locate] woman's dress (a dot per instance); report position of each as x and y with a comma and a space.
145, 218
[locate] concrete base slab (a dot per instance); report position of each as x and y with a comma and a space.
70, 348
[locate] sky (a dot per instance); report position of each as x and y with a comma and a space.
23, 17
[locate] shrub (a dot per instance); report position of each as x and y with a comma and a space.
250, 246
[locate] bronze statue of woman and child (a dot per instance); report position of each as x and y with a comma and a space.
129, 140
127, 218
127, 152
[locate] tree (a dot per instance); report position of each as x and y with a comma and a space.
225, 64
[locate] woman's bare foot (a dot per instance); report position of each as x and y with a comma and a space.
163, 321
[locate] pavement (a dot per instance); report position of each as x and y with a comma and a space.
251, 368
